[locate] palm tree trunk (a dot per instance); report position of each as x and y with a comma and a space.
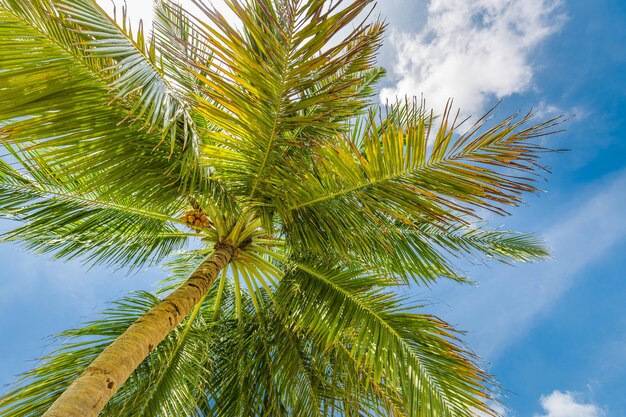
92, 390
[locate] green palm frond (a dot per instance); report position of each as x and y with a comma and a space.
266, 372
417, 353
137, 76
69, 119
49, 21
405, 170
128, 63
95, 228
268, 365
501, 245
180, 43
276, 84
425, 252
363, 395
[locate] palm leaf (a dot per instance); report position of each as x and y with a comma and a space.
274, 84
85, 135
130, 65
137, 74
403, 171
98, 229
414, 352
426, 252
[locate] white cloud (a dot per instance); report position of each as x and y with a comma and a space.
472, 51
546, 110
563, 404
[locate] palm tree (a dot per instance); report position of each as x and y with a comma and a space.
258, 141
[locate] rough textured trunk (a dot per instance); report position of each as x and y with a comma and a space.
92, 390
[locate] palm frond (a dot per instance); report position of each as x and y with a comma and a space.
68, 119
402, 170
267, 371
501, 245
275, 83
425, 252
137, 76
417, 353
49, 21
92, 227
129, 64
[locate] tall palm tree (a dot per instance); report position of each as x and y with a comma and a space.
257, 138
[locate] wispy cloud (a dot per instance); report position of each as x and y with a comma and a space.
564, 404
508, 301
545, 110
472, 51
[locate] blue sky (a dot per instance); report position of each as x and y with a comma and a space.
554, 334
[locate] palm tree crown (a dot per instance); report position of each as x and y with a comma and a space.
258, 141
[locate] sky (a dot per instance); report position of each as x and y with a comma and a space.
553, 333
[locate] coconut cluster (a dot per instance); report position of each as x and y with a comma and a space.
196, 219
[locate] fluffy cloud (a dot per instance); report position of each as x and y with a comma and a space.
563, 404
472, 51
